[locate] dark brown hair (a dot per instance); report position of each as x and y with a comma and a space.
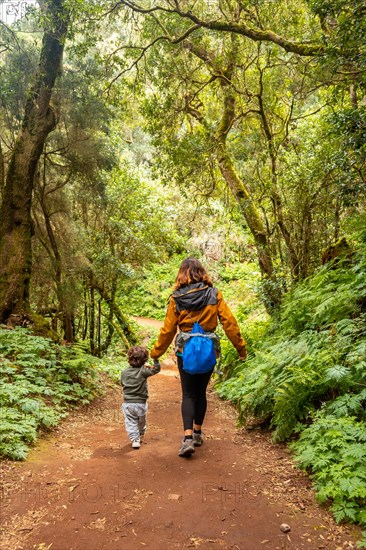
137, 356
191, 271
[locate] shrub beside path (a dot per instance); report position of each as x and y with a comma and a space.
84, 488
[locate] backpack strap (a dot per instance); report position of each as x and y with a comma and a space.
199, 318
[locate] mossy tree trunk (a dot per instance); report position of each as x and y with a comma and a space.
92, 321
2, 172
108, 340
277, 201
125, 330
38, 121
65, 308
226, 165
248, 209
223, 156
234, 182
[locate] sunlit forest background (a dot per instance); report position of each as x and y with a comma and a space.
135, 134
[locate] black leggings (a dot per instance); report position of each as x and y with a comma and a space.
194, 402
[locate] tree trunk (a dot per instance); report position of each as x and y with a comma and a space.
92, 320
306, 242
2, 172
337, 219
85, 326
68, 326
105, 345
108, 340
39, 120
231, 177
128, 335
250, 213
238, 187
99, 326
63, 305
294, 259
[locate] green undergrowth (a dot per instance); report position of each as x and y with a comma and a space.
147, 294
115, 361
306, 379
240, 280
113, 365
40, 382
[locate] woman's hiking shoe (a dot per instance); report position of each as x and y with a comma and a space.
197, 439
187, 448
136, 444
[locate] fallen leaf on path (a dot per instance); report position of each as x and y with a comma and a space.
98, 524
195, 541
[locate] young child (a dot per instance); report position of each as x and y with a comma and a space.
135, 392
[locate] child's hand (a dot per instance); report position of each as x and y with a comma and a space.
156, 364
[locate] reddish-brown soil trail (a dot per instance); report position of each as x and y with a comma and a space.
84, 488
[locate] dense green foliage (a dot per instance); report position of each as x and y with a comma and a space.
40, 382
333, 449
308, 377
186, 129
146, 293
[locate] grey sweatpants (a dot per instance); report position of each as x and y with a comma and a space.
135, 419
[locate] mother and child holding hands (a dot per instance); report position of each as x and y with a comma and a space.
194, 300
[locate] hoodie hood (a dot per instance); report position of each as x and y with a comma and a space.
194, 297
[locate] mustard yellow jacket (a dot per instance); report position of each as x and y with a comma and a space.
208, 319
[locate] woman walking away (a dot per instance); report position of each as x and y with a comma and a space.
194, 299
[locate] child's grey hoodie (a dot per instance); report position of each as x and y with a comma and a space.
134, 382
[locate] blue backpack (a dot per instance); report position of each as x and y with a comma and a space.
199, 355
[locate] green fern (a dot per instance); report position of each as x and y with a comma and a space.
334, 450
308, 377
40, 381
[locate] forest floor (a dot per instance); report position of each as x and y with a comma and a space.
84, 488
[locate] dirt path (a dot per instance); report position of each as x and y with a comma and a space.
84, 488
144, 321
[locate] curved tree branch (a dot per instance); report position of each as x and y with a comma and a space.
258, 35
144, 49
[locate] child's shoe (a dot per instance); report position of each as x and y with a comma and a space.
136, 444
